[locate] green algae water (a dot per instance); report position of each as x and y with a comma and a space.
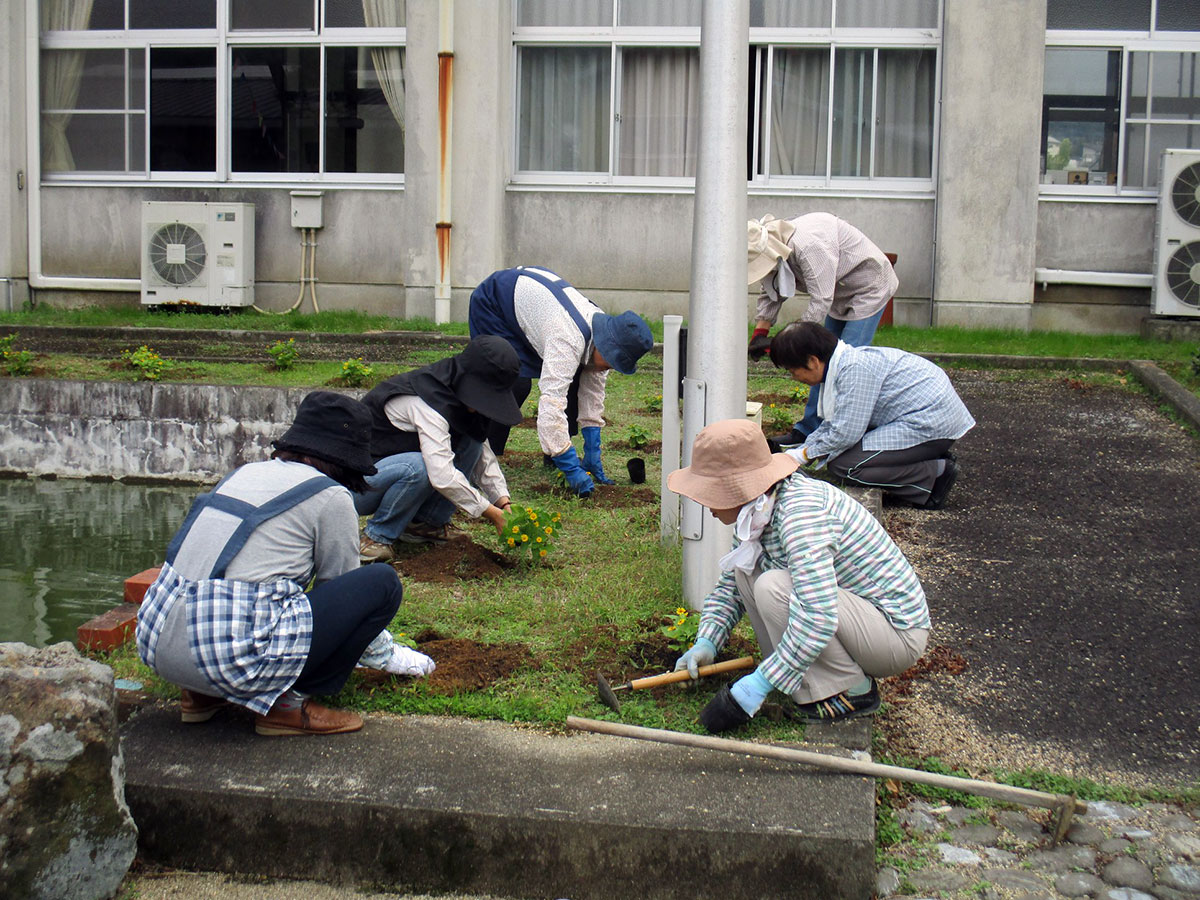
68, 545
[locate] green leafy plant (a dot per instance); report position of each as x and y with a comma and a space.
15, 362
682, 631
356, 372
777, 417
639, 437
148, 364
799, 394
655, 403
284, 353
530, 531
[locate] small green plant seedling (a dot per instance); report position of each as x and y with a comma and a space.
356, 372
148, 364
777, 417
639, 437
284, 354
682, 631
655, 403
15, 362
530, 532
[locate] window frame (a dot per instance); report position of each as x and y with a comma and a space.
1126, 43
224, 40
761, 39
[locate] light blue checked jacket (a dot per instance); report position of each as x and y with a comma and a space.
825, 540
890, 400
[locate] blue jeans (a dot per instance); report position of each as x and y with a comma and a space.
858, 333
400, 492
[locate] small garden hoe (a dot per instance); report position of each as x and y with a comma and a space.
608, 693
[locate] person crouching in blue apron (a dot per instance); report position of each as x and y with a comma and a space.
229, 618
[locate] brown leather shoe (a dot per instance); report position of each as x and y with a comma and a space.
196, 707
308, 718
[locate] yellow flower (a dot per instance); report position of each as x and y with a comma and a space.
539, 539
529, 509
548, 530
511, 542
542, 553
524, 538
516, 529
680, 611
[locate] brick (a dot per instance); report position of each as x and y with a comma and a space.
109, 630
137, 585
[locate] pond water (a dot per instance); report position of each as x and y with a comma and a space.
69, 545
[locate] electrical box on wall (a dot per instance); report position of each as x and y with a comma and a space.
306, 209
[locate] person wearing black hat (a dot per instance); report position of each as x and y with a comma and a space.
229, 620
428, 438
568, 344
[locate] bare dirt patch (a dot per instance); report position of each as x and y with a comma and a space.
459, 559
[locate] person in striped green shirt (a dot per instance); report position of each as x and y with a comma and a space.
833, 601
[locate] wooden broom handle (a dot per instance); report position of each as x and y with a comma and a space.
730, 665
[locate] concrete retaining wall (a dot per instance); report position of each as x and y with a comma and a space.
183, 432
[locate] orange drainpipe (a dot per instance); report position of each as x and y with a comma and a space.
441, 290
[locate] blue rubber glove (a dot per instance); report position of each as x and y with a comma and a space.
577, 479
591, 453
702, 653
750, 691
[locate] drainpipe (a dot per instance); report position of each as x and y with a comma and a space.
33, 159
715, 386
441, 290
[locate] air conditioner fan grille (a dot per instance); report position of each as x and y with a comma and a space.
1183, 274
169, 264
1185, 194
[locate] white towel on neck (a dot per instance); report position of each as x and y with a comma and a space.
751, 521
827, 399
781, 283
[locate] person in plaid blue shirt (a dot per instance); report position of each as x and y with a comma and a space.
833, 601
888, 419
231, 618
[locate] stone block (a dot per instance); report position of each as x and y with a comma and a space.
137, 585
65, 831
108, 630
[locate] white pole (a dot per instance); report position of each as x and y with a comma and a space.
715, 387
669, 516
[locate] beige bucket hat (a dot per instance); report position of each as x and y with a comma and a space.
766, 243
731, 465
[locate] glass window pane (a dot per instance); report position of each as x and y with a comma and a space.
853, 76
183, 104
360, 13
1080, 115
172, 14
660, 111
364, 109
1177, 15
280, 15
96, 16
275, 104
83, 79
97, 143
660, 12
904, 112
887, 14
1176, 86
791, 13
799, 111
1099, 15
137, 143
1138, 90
565, 12
563, 112
1142, 162
137, 79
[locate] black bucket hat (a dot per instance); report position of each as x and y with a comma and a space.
487, 368
332, 427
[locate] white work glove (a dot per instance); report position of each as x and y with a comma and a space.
703, 652
407, 661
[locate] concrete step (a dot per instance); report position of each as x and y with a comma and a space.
439, 804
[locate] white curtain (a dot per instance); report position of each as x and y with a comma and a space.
387, 60
660, 111
564, 109
791, 13
799, 112
62, 71
678, 13
550, 13
904, 114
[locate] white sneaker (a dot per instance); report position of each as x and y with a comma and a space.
407, 661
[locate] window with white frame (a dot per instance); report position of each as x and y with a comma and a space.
842, 92
1122, 84
222, 90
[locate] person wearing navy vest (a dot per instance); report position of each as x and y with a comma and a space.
569, 345
232, 616
428, 434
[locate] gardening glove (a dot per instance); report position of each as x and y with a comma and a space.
577, 480
750, 691
701, 653
591, 454
723, 713
760, 343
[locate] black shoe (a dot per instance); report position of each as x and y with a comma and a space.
723, 713
942, 485
840, 706
780, 442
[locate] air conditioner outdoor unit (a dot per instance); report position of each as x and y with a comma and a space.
1176, 289
197, 253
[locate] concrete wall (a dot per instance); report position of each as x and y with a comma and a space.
118, 430
13, 253
992, 60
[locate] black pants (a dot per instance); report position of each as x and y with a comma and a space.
348, 612
905, 474
498, 434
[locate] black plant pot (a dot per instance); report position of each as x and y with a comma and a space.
637, 470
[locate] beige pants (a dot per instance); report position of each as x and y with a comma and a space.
865, 642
